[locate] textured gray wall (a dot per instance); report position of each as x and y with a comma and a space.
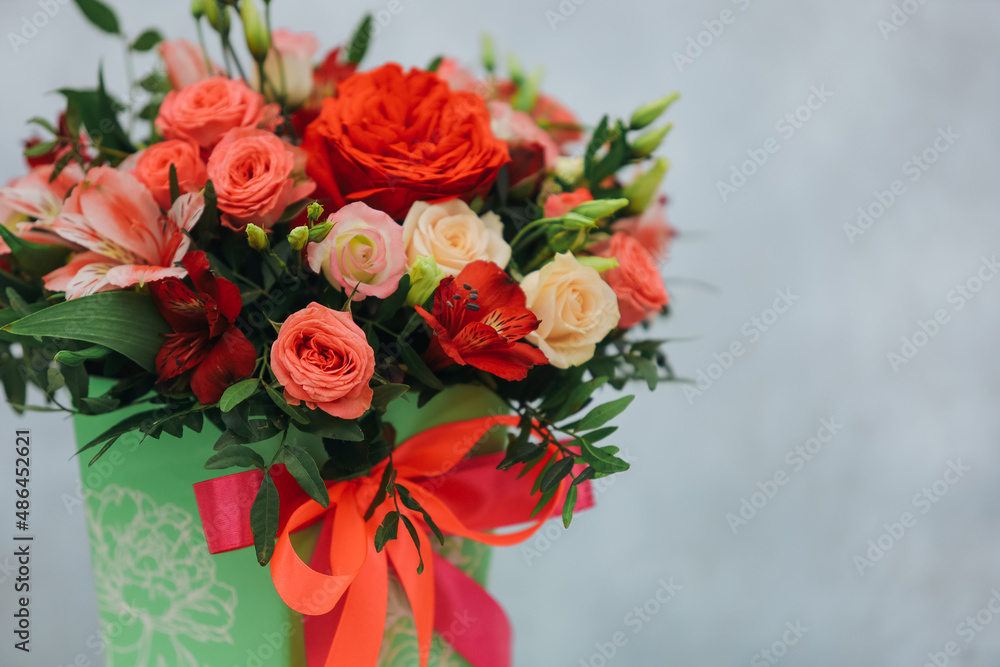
697, 457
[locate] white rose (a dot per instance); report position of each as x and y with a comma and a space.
453, 235
289, 66
576, 309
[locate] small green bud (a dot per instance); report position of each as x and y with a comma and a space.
489, 55
648, 113
218, 16
573, 220
257, 238
425, 276
319, 232
298, 237
258, 38
642, 190
516, 73
314, 211
197, 9
650, 141
602, 264
600, 208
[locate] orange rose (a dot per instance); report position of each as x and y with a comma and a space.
256, 176
635, 280
391, 138
204, 111
323, 358
152, 168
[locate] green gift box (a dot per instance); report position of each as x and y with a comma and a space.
164, 601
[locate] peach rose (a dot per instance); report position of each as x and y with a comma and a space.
203, 112
453, 235
186, 64
635, 280
292, 52
363, 253
322, 358
256, 176
152, 168
576, 309
559, 204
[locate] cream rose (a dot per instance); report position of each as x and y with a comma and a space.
576, 309
453, 235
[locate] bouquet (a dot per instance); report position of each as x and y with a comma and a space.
315, 264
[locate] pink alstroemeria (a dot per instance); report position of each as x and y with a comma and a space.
130, 241
32, 196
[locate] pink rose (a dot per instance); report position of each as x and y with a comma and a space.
152, 168
651, 228
256, 176
186, 64
203, 112
323, 358
460, 79
363, 253
636, 280
560, 204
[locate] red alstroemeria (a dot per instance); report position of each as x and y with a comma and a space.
205, 341
478, 318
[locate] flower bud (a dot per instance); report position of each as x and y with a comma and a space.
489, 56
298, 237
569, 169
642, 190
258, 37
648, 113
218, 16
319, 232
601, 264
197, 9
257, 237
425, 275
315, 211
650, 141
573, 220
600, 208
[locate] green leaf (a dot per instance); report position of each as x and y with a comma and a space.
36, 259
386, 532
56, 381
41, 122
130, 423
175, 188
388, 475
647, 369
418, 368
305, 471
569, 505
359, 42
77, 357
100, 15
578, 397
227, 439
289, 410
544, 500
103, 449
40, 148
601, 460
146, 41
392, 303
99, 405
597, 435
604, 413
235, 455
325, 426
264, 519
597, 139
555, 473
125, 322
238, 393
433, 66
616, 157
15, 383
415, 536
387, 393
411, 502
99, 114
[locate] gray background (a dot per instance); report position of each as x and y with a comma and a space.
696, 459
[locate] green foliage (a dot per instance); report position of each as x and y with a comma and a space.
100, 15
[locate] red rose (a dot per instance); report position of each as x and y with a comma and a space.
391, 138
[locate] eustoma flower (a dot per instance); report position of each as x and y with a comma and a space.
256, 176
130, 241
363, 252
479, 317
322, 358
206, 349
391, 138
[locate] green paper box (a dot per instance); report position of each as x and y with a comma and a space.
164, 601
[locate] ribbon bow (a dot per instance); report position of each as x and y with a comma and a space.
343, 591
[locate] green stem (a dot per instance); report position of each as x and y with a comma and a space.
204, 48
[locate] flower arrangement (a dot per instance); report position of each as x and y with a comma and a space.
292, 249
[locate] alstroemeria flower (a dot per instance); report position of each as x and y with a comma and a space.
205, 339
33, 196
130, 240
479, 317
